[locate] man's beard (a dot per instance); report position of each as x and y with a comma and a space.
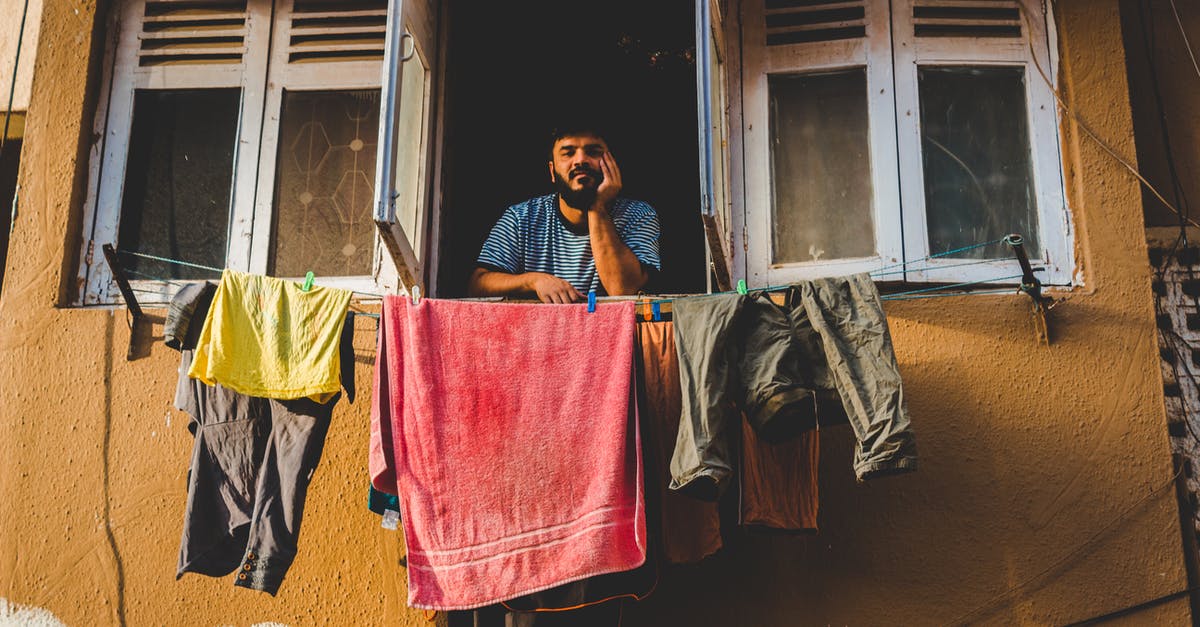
581, 199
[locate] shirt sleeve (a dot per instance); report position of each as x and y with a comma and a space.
641, 232
502, 248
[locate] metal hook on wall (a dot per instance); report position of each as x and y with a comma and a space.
1032, 286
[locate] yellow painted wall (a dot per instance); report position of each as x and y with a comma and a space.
1040, 466
10, 31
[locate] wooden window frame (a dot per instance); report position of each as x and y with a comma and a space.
262, 75
891, 55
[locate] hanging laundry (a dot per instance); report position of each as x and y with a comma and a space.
267, 337
690, 529
509, 433
592, 602
778, 482
778, 363
252, 461
602, 615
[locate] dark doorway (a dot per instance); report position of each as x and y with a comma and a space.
514, 68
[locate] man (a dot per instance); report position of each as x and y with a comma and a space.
560, 246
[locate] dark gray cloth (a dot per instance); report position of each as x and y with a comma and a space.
783, 365
178, 331
252, 461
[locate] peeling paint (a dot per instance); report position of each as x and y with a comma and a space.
14, 615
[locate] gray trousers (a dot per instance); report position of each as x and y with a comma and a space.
826, 351
252, 461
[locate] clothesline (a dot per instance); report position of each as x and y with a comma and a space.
197, 266
928, 292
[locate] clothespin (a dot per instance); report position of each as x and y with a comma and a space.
308, 281
657, 312
646, 311
741, 287
592, 301
416, 294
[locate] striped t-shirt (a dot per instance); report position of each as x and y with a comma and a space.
533, 236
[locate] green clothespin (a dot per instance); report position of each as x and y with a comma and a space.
308, 281
741, 287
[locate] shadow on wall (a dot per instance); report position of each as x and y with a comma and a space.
118, 563
10, 159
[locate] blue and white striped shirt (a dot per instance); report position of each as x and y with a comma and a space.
533, 236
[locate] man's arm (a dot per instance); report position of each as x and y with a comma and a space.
547, 287
499, 260
620, 271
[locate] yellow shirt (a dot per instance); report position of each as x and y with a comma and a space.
266, 337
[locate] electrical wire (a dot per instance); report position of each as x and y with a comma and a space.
1083, 125
12, 90
965, 619
1171, 340
1160, 271
1186, 43
1166, 598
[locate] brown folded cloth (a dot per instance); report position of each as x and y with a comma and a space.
779, 482
690, 529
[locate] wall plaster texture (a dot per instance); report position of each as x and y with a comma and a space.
1038, 499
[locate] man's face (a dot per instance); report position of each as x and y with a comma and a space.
575, 169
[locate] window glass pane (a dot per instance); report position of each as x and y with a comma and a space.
821, 167
717, 122
324, 185
976, 154
178, 178
411, 149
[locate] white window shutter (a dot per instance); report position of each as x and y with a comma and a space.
169, 45
802, 37
1009, 33
711, 97
405, 147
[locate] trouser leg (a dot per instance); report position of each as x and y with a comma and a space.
701, 463
848, 315
298, 429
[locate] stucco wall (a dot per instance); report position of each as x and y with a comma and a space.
1035, 503
10, 29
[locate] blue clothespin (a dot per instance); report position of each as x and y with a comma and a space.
741, 287
308, 281
657, 312
592, 301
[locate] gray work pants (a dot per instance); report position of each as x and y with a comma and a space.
252, 461
826, 350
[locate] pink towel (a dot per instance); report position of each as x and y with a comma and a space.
510, 435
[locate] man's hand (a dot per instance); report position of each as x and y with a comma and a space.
551, 289
547, 287
607, 192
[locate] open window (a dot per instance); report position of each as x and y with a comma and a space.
405, 152
712, 105
513, 70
